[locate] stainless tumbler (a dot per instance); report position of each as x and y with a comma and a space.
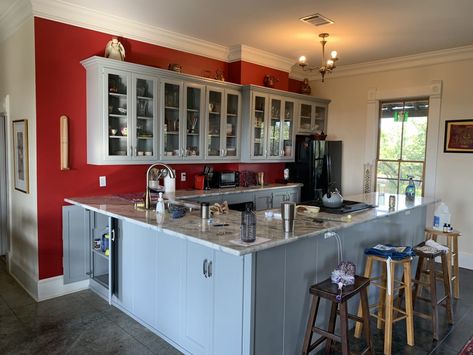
288, 211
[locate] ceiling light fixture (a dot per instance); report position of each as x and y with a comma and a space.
326, 66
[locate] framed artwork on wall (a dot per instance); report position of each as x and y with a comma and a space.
20, 155
458, 136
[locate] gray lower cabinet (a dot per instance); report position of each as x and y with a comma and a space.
263, 200
286, 195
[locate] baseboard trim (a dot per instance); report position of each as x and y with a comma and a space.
465, 260
55, 287
27, 281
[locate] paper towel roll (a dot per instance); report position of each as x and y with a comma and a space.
169, 184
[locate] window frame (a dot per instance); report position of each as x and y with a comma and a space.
399, 161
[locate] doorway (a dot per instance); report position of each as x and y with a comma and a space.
4, 245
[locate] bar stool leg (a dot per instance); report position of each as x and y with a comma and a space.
446, 285
388, 322
417, 288
367, 274
409, 308
382, 299
449, 257
433, 299
331, 326
344, 328
366, 320
456, 271
310, 324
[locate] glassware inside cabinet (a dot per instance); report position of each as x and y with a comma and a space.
171, 119
275, 128
117, 115
288, 128
320, 113
193, 122
215, 118
259, 128
232, 125
305, 123
145, 117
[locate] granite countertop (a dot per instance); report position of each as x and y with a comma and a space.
223, 232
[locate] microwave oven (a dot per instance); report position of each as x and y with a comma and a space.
225, 179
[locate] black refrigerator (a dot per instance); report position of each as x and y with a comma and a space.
317, 164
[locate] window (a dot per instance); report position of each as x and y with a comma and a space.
401, 145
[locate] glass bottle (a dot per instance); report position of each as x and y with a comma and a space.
248, 224
410, 190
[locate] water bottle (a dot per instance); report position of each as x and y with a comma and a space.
248, 224
410, 190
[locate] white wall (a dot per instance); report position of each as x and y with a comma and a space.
454, 172
17, 79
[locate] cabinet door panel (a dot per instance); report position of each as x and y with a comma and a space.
145, 118
214, 123
172, 125
76, 243
194, 122
263, 201
228, 305
198, 302
170, 263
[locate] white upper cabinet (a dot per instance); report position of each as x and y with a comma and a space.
312, 117
223, 124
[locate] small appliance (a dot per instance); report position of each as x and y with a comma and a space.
222, 179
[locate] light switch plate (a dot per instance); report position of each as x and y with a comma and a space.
102, 181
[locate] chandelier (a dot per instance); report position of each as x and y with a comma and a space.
326, 66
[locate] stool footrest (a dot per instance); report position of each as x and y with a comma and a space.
326, 334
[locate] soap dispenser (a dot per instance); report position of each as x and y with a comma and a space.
160, 204
410, 190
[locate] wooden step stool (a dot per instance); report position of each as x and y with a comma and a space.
452, 255
384, 307
329, 291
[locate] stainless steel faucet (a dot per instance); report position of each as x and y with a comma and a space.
162, 172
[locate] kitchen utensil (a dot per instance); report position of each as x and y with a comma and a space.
332, 199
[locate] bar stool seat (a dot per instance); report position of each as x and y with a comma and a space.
452, 254
426, 266
329, 291
384, 308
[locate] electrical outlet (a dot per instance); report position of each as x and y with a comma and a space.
102, 181
183, 176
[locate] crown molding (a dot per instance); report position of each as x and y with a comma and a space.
411, 61
72, 14
259, 57
13, 18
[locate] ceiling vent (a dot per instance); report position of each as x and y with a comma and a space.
316, 20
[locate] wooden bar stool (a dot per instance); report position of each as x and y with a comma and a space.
452, 255
426, 266
384, 308
329, 291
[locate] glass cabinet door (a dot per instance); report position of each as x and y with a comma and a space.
171, 126
194, 125
258, 119
287, 129
215, 103
275, 128
145, 126
232, 124
305, 118
118, 115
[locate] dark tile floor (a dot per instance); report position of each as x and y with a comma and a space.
78, 323
84, 323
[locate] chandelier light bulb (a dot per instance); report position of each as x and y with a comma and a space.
333, 54
302, 59
330, 63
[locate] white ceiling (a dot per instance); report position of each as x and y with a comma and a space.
364, 30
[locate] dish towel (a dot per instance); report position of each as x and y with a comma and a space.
435, 245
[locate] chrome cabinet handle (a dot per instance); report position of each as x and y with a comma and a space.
209, 272
113, 235
204, 268
135, 152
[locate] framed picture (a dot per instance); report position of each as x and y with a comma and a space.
458, 136
20, 155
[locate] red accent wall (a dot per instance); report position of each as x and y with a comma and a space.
61, 90
294, 86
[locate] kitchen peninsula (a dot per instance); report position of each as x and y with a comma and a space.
197, 286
